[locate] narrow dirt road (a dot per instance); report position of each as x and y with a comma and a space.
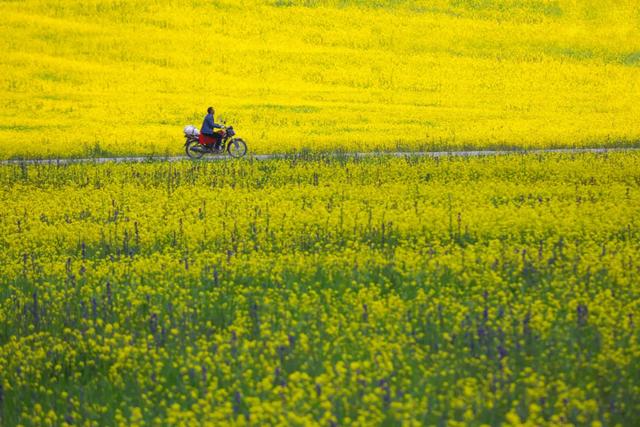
473, 153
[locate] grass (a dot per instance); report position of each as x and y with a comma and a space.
319, 289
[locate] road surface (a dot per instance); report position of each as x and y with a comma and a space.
472, 153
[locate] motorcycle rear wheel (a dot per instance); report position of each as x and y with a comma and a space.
237, 148
191, 153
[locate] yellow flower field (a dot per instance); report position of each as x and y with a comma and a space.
320, 287
108, 77
322, 291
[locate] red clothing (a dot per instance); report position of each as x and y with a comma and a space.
207, 139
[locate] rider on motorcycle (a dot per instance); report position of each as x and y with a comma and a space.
208, 126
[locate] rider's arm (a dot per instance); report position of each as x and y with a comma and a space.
209, 121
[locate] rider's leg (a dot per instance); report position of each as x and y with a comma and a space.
208, 142
218, 141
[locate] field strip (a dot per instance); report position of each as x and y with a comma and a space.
465, 153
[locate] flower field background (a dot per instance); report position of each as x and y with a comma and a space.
328, 291
320, 288
109, 77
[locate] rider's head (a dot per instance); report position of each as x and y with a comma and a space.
210, 110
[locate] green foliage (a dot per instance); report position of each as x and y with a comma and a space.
322, 289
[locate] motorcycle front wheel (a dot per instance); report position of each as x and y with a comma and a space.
194, 149
237, 148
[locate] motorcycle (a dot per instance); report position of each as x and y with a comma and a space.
197, 145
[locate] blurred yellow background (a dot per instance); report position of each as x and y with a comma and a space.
114, 77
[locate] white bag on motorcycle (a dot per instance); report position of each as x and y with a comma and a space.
191, 130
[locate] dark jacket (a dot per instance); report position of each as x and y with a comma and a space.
208, 125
